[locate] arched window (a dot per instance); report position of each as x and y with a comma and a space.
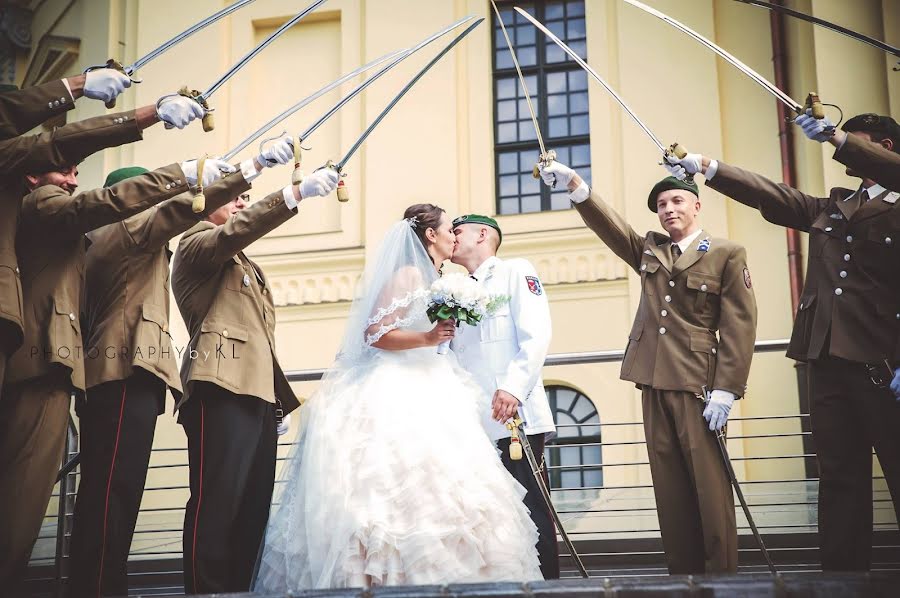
577, 443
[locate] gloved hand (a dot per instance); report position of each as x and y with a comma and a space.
213, 169
320, 183
178, 110
280, 152
817, 129
284, 426
105, 84
895, 383
718, 408
556, 175
690, 164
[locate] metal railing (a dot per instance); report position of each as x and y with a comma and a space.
615, 525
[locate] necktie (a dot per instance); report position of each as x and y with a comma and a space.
675, 250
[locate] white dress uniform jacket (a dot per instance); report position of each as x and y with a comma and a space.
506, 351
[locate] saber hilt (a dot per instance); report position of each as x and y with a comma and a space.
676, 150
343, 194
515, 443
208, 120
537, 469
545, 159
115, 65
199, 204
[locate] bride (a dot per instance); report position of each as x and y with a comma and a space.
393, 480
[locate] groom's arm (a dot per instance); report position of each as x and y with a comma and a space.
530, 313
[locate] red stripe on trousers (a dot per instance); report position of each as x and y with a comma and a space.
112, 468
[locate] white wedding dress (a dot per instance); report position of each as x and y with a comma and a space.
393, 480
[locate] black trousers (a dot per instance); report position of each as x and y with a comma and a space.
548, 550
231, 450
117, 421
850, 415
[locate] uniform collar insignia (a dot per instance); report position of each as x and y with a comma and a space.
837, 216
891, 197
703, 245
648, 252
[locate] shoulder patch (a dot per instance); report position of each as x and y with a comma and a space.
747, 281
534, 285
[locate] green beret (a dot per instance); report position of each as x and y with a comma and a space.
479, 219
119, 175
667, 184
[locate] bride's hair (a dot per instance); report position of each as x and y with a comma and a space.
421, 217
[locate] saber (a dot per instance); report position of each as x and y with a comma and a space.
343, 195
676, 149
828, 25
545, 158
304, 102
203, 98
723, 450
537, 470
812, 100
132, 68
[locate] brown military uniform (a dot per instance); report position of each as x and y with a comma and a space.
42, 372
695, 327
63, 147
129, 363
22, 110
870, 160
232, 383
848, 318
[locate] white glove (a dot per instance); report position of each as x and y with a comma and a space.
691, 163
718, 408
558, 175
817, 129
320, 183
213, 169
280, 152
178, 111
675, 170
105, 84
284, 426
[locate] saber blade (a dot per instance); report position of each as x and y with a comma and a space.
262, 46
760, 80
574, 55
340, 165
306, 101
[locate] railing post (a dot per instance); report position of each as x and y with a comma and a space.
65, 511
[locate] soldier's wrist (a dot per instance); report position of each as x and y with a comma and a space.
75, 85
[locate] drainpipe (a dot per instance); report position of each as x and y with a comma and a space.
794, 247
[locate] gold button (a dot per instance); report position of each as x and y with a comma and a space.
664, 313
703, 287
668, 298
662, 330
671, 283
839, 291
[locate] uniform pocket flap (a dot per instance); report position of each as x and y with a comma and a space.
650, 266
155, 314
806, 302
883, 237
636, 331
235, 332
703, 341
706, 283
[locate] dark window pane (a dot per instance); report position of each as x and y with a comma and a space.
560, 200
509, 206
557, 28
531, 203
556, 83
529, 184
579, 125
506, 88
506, 133
580, 48
504, 60
526, 35
509, 185
559, 127
527, 56
577, 80
578, 102
575, 9
508, 162
554, 11
575, 29
570, 479
556, 105
593, 478
506, 110
555, 53
581, 155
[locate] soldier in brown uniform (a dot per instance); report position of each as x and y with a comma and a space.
46, 367
129, 363
847, 328
233, 385
694, 330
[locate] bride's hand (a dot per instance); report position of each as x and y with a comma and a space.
442, 332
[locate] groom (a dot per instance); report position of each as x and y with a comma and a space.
505, 353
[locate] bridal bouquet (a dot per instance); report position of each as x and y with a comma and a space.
463, 299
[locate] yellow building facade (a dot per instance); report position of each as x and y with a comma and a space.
438, 146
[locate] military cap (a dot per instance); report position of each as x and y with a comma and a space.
667, 184
874, 123
120, 174
478, 219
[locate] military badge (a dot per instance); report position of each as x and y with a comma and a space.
891, 197
704, 245
836, 216
534, 285
747, 281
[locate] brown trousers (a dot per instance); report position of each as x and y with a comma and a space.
33, 419
693, 493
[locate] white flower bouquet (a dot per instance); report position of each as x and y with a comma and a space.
461, 298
